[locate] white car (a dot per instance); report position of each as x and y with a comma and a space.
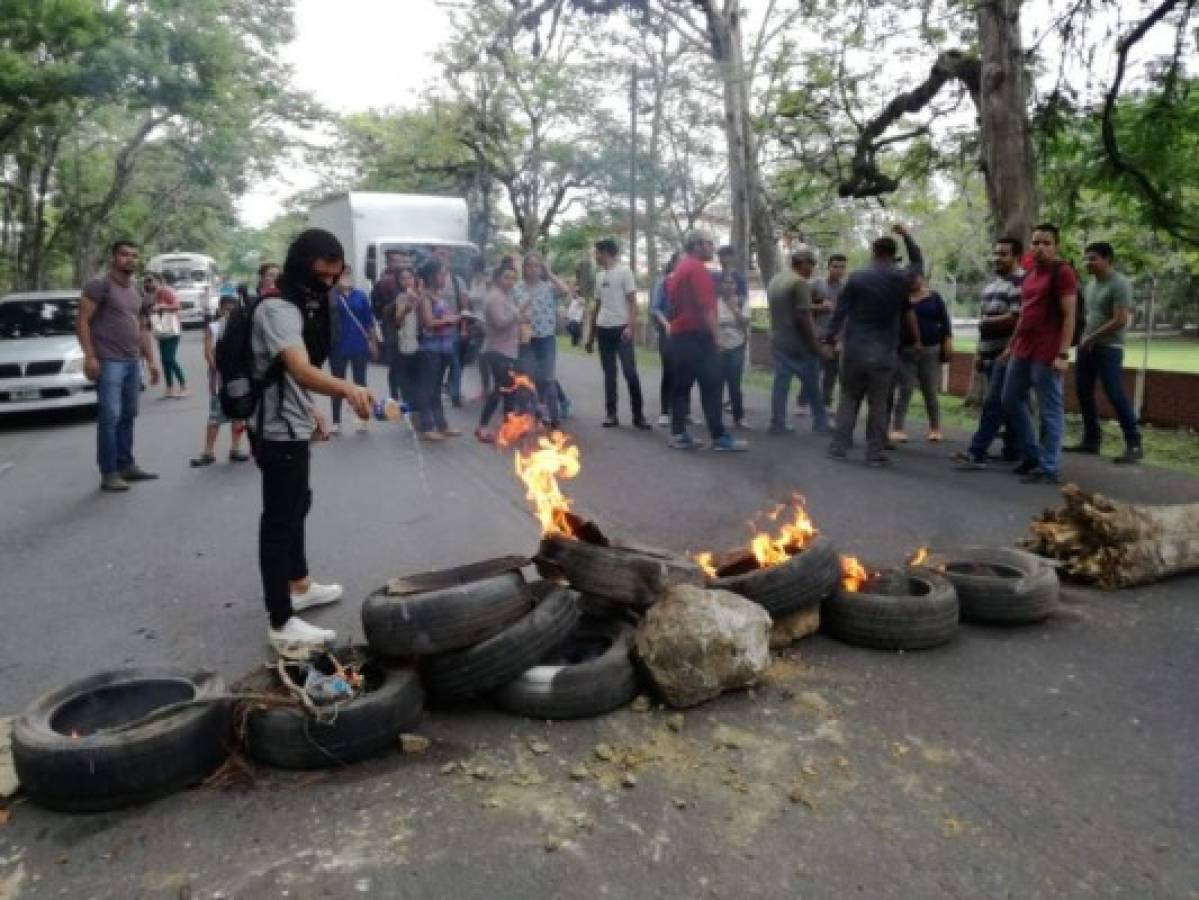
41, 362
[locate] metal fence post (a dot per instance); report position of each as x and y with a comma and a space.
1141, 373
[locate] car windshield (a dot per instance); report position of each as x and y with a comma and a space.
184, 277
37, 318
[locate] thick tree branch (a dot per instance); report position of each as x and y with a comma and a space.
866, 179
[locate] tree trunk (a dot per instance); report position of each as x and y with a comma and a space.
734, 135
661, 73
1007, 153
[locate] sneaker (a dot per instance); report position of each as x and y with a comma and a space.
180, 394
1130, 457
935, 436
641, 423
610, 422
316, 595
726, 443
483, 436
430, 435
204, 459
361, 426
1040, 476
1089, 449
451, 432
682, 441
113, 482
297, 637
1025, 468
137, 473
897, 436
237, 456
664, 420
967, 462
334, 429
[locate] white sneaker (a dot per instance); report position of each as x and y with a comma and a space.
664, 421
297, 637
316, 595
362, 423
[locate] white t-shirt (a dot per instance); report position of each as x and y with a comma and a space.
612, 287
576, 310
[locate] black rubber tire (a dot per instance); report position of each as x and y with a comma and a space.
108, 770
596, 607
488, 666
288, 738
560, 688
807, 579
630, 574
1028, 595
888, 622
450, 610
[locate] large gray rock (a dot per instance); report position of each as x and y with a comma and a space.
696, 644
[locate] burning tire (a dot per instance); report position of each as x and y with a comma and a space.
596, 607
588, 674
998, 586
120, 738
632, 575
288, 738
912, 610
447, 610
483, 668
805, 580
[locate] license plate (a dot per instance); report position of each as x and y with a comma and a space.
25, 395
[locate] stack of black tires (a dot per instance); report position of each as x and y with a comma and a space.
483, 631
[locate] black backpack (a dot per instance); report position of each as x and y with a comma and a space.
240, 392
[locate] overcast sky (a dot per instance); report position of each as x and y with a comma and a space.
354, 55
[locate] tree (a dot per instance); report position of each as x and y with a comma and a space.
522, 103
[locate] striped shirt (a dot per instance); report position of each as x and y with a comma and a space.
1000, 296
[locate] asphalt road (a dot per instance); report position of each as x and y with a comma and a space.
1056, 761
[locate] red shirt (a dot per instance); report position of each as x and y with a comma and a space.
166, 298
1039, 331
692, 296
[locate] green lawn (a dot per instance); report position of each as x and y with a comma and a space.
1172, 354
1167, 448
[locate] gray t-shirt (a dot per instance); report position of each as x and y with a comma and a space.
120, 313
285, 413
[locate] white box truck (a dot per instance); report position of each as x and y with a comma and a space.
194, 279
368, 224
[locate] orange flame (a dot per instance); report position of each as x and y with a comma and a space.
920, 557
853, 574
540, 470
774, 549
516, 426
707, 562
519, 380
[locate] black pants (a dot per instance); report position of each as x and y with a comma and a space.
870, 380
694, 357
575, 330
828, 378
286, 500
503, 371
666, 390
613, 347
403, 377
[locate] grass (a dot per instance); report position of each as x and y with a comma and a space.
1174, 354
1166, 448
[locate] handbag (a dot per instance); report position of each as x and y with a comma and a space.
165, 323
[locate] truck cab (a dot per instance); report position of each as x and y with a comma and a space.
194, 279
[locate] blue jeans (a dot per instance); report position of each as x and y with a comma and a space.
430, 413
117, 392
454, 379
732, 367
1103, 365
545, 361
993, 416
1022, 376
807, 369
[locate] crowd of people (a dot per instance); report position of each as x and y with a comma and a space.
872, 336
